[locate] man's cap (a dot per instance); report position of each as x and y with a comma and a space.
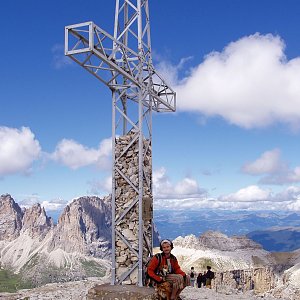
166, 241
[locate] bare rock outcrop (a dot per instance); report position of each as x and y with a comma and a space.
10, 218
84, 227
217, 240
76, 248
129, 292
36, 222
260, 280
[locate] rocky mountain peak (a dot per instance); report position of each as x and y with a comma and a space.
76, 247
10, 218
220, 241
189, 241
36, 222
84, 227
216, 240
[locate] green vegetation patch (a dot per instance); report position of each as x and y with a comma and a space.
10, 282
203, 263
93, 269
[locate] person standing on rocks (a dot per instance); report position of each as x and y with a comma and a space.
200, 280
165, 267
204, 279
209, 276
193, 276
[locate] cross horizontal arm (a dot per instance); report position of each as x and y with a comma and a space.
110, 61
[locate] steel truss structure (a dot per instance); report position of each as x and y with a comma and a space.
123, 62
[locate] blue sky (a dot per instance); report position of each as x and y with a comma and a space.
233, 142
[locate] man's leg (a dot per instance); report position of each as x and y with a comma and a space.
208, 283
178, 284
192, 282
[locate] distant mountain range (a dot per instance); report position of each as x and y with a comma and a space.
277, 239
79, 244
274, 230
76, 246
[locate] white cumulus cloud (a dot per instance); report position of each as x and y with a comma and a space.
59, 58
74, 155
187, 186
251, 193
268, 162
287, 176
163, 188
49, 205
170, 72
248, 198
18, 150
294, 175
250, 84
53, 205
275, 170
101, 187
256, 198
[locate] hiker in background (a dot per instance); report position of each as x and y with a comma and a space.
251, 283
237, 278
193, 276
209, 276
199, 280
167, 269
204, 279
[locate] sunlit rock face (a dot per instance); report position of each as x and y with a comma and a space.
10, 218
36, 222
77, 247
84, 227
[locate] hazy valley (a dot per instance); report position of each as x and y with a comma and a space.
274, 230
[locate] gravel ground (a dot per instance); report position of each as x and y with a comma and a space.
78, 290
190, 293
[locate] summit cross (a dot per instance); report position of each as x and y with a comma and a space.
123, 62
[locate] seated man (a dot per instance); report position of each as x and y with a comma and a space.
166, 268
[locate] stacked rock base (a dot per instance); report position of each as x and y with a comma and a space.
127, 198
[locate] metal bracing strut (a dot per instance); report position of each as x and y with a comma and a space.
123, 62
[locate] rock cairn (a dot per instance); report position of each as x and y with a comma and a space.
126, 202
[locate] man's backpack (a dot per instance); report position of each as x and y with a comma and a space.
211, 275
192, 275
147, 280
